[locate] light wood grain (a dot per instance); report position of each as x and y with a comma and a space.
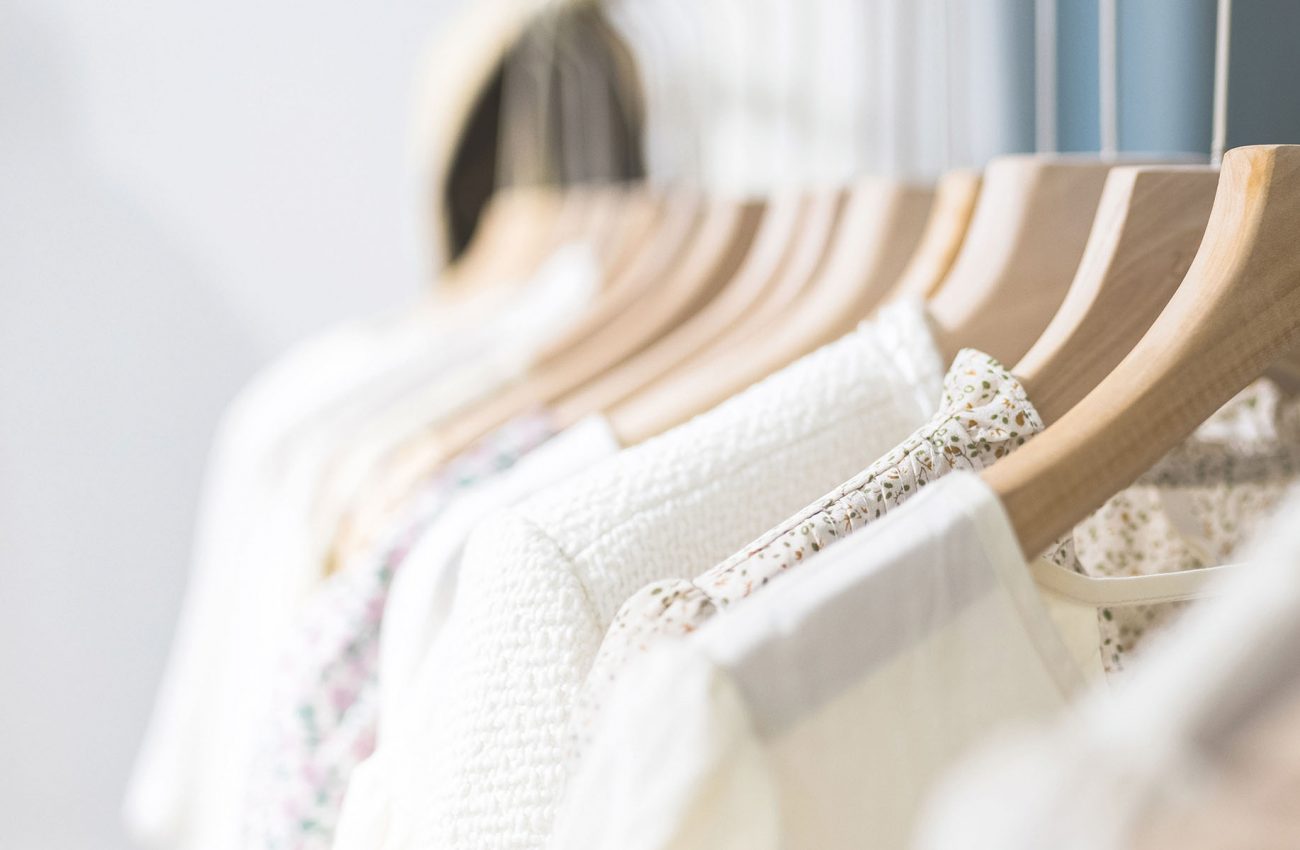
780, 232
1025, 241
1236, 311
881, 226
945, 231
720, 240
517, 229
632, 224
652, 261
1147, 230
824, 224
821, 221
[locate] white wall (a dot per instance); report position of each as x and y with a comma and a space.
185, 188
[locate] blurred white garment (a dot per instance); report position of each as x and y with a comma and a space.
256, 554
420, 601
540, 583
512, 332
425, 588
816, 713
1091, 778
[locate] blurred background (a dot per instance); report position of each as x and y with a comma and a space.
186, 189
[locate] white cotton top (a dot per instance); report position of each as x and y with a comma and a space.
424, 589
420, 601
540, 583
817, 713
257, 554
1151, 745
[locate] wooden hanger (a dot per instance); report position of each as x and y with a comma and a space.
823, 224
460, 109
818, 226
531, 230
1235, 312
721, 235
523, 225
1025, 240
602, 216
651, 262
821, 221
585, 131
778, 235
722, 240
600, 108
637, 217
1147, 230
880, 225
583, 346
695, 229
507, 244
950, 217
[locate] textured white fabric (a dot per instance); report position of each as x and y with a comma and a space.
817, 713
421, 599
258, 551
1089, 778
424, 589
540, 583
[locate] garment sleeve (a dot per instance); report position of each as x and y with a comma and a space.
485, 760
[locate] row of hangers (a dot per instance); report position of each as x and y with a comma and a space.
1131, 297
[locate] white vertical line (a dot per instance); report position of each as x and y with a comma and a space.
1222, 40
1108, 78
1045, 76
905, 56
946, 42
959, 109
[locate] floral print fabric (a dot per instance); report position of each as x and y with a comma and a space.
326, 707
983, 415
1192, 510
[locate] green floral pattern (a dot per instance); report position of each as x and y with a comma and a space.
1192, 510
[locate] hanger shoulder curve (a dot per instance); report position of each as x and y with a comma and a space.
945, 230
777, 235
1148, 228
1237, 309
1026, 237
879, 226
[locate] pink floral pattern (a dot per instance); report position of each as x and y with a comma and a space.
325, 705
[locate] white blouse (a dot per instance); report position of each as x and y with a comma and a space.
539, 584
817, 716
